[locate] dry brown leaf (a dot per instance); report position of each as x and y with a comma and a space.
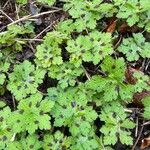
137, 97
145, 143
111, 27
129, 75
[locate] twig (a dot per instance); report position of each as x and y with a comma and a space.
86, 73
136, 130
33, 16
146, 123
6, 15
43, 31
133, 148
128, 110
17, 11
19, 20
6, 4
13, 137
39, 40
118, 42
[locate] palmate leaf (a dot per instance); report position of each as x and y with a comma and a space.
5, 130
134, 47
88, 142
31, 114
142, 82
91, 48
66, 74
112, 86
56, 141
116, 123
30, 142
146, 102
86, 13
25, 79
49, 53
66, 27
135, 11
70, 110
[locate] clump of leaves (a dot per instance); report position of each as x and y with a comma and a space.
56, 141
11, 36
142, 82
86, 13
66, 74
25, 79
31, 114
111, 86
71, 110
29, 142
135, 11
116, 125
49, 53
135, 47
90, 48
88, 142
74, 113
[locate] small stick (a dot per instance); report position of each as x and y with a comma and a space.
133, 148
33, 16
40, 40
86, 73
146, 123
6, 15
128, 110
6, 4
43, 31
136, 129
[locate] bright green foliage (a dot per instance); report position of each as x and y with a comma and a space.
112, 86
66, 74
134, 47
87, 12
49, 2
49, 52
21, 1
135, 11
142, 82
71, 110
91, 48
73, 91
11, 36
66, 27
56, 141
116, 125
2, 104
25, 79
48, 55
146, 102
30, 142
4, 66
5, 130
31, 114
85, 142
